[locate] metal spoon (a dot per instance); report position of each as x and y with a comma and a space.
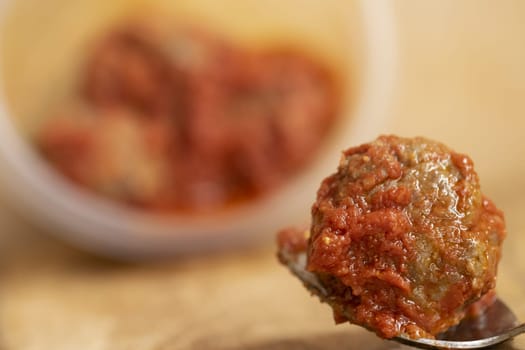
496, 325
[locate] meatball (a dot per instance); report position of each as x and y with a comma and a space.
234, 123
403, 237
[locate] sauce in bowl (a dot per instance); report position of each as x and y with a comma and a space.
180, 119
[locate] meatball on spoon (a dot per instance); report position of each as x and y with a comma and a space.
495, 325
403, 242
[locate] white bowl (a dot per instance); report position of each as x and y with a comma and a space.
368, 43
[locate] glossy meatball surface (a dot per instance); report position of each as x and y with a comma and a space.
404, 237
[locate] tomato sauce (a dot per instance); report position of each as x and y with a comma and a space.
180, 119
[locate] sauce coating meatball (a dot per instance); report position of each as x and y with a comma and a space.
403, 236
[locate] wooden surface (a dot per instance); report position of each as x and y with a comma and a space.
462, 81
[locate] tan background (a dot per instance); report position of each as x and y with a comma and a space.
462, 80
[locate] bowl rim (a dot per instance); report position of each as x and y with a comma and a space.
102, 226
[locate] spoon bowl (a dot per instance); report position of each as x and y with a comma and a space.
495, 325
